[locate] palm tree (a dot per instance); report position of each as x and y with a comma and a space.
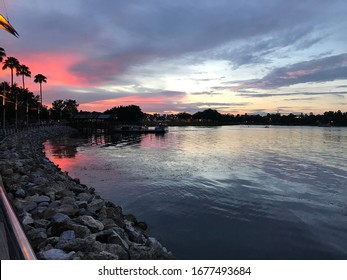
12, 63
2, 54
5, 87
25, 72
39, 78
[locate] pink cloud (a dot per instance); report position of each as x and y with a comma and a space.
55, 66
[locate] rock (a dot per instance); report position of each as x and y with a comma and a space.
116, 215
90, 222
141, 252
82, 204
67, 236
47, 244
108, 223
20, 193
36, 236
141, 225
59, 218
40, 199
44, 204
77, 188
68, 209
54, 204
97, 250
115, 238
155, 245
96, 205
81, 231
27, 219
84, 197
7, 172
41, 223
134, 234
23, 205
131, 218
103, 255
111, 236
76, 244
48, 213
67, 200
55, 254
40, 181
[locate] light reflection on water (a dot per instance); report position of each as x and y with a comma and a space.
224, 192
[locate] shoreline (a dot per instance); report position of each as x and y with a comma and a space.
62, 218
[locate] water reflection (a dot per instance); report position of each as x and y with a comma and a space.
226, 193
62, 148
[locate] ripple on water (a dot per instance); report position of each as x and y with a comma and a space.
226, 192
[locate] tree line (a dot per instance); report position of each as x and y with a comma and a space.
330, 118
133, 113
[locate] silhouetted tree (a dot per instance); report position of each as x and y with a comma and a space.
2, 54
64, 109
131, 113
184, 116
208, 115
39, 78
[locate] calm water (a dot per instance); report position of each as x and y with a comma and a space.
224, 192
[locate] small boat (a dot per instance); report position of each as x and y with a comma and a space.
160, 129
325, 124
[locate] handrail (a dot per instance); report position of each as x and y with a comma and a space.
19, 246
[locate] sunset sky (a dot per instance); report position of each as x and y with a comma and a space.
170, 56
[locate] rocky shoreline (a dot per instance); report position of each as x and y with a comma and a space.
62, 218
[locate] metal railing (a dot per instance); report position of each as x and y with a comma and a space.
18, 245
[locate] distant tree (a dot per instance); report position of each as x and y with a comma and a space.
64, 109
208, 114
57, 109
131, 113
70, 107
184, 116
